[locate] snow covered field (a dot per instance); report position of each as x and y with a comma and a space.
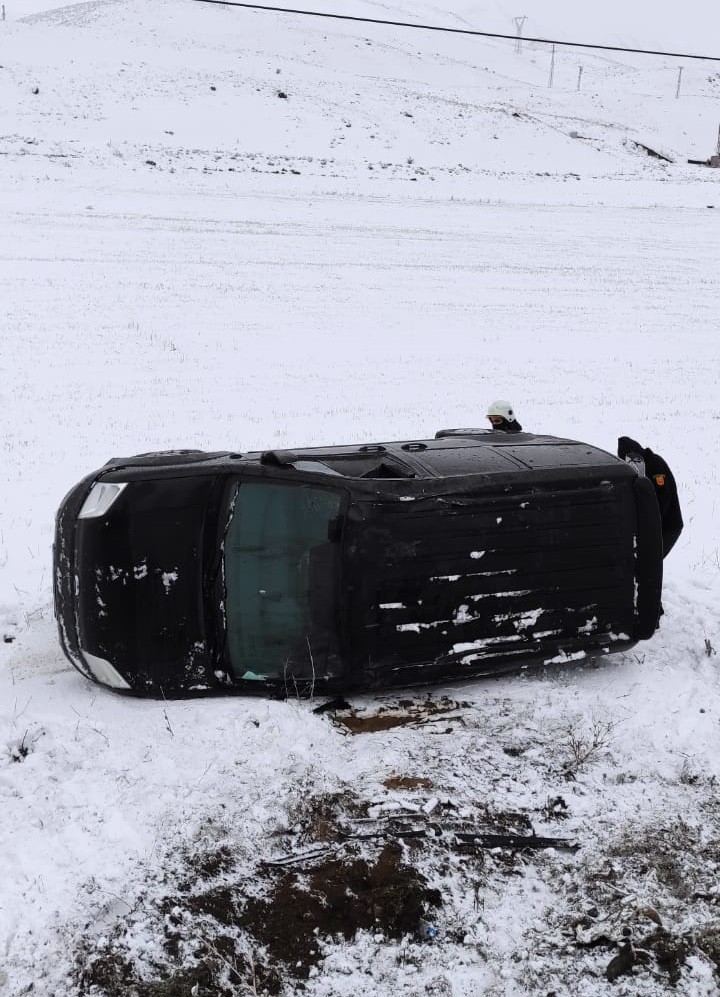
420, 225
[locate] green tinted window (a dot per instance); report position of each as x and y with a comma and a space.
281, 580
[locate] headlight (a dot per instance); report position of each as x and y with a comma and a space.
101, 497
104, 671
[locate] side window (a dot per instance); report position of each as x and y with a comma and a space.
281, 581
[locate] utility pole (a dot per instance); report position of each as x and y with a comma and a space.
519, 22
552, 68
677, 90
579, 82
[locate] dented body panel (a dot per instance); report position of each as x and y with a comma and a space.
331, 569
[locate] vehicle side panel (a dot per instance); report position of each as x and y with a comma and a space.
471, 584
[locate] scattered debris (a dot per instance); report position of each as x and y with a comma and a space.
330, 823
333, 704
481, 839
514, 750
298, 858
282, 95
556, 809
622, 963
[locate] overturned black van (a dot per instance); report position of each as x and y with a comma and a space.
328, 569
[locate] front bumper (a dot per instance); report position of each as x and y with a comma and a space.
65, 579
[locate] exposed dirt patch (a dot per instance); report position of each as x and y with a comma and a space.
338, 898
395, 782
109, 974
220, 939
406, 713
105, 971
207, 864
224, 929
220, 903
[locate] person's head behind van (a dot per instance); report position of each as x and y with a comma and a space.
502, 417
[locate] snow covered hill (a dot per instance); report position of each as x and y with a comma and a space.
224, 228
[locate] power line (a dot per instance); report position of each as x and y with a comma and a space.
461, 31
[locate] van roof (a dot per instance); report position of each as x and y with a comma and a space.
450, 453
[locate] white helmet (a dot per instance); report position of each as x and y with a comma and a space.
502, 409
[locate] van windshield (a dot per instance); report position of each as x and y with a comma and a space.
281, 574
